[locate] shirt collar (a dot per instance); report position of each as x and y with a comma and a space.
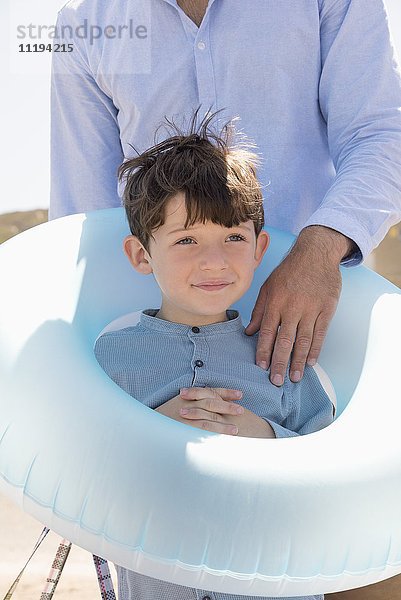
149, 321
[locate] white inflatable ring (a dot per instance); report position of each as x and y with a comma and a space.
286, 517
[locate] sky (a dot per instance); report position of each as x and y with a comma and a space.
25, 103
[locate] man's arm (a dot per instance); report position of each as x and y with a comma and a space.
85, 139
360, 99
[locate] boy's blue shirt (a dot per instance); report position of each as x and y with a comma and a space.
154, 359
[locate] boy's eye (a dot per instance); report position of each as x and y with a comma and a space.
238, 236
185, 241
188, 241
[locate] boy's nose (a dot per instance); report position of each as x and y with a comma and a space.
213, 259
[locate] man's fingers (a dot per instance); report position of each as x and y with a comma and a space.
296, 293
267, 337
281, 353
257, 312
319, 335
302, 346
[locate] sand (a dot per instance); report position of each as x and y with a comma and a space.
18, 535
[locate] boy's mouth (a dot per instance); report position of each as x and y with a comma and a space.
211, 286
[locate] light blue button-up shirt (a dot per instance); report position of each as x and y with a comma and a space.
314, 82
153, 360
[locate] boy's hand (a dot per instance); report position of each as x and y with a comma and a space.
250, 425
212, 409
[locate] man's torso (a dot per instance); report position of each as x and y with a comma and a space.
237, 60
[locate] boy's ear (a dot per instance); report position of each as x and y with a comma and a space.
137, 255
262, 244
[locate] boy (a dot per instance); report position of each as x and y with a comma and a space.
195, 210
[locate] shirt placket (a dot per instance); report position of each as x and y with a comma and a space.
202, 595
204, 67
200, 38
200, 357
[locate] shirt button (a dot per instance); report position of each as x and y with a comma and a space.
206, 598
201, 45
199, 363
195, 329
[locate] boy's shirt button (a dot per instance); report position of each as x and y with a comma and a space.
199, 363
195, 330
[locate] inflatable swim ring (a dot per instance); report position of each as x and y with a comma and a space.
286, 517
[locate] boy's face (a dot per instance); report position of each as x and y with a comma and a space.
202, 270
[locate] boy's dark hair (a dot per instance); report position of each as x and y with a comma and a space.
218, 179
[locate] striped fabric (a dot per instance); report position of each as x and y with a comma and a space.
104, 578
57, 568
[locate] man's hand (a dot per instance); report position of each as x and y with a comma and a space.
212, 409
297, 302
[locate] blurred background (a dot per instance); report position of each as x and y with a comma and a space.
25, 128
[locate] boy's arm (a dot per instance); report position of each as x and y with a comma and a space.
85, 138
310, 410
